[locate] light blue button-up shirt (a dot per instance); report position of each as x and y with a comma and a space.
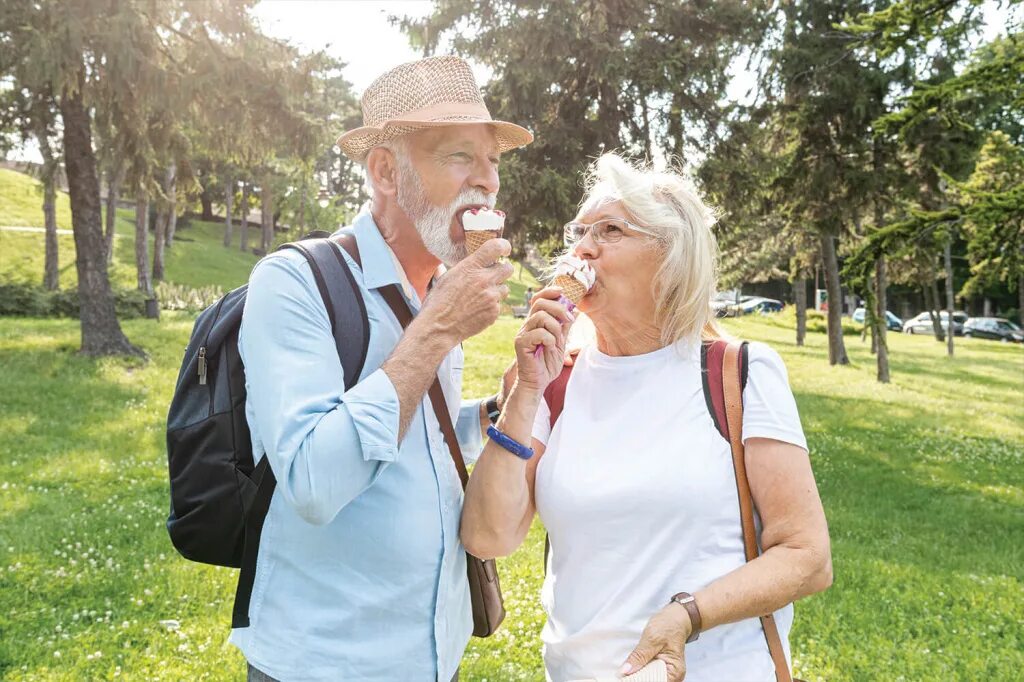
361, 575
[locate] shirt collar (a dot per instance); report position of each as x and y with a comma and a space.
380, 264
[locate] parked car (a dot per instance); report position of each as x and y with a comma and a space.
760, 305
922, 323
995, 328
892, 322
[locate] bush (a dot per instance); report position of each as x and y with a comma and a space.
817, 323
30, 300
24, 300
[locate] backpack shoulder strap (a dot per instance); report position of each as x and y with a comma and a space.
341, 297
730, 376
351, 329
554, 394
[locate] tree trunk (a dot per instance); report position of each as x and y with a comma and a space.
229, 201
51, 268
101, 333
266, 214
1020, 299
881, 321
836, 346
947, 256
245, 216
159, 243
171, 190
986, 309
933, 310
302, 209
800, 297
142, 241
115, 177
206, 195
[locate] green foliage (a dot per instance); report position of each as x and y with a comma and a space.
993, 199
30, 300
921, 480
592, 77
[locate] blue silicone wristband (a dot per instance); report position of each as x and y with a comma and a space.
510, 444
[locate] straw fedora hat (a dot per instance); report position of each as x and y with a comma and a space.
429, 93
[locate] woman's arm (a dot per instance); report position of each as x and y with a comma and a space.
499, 505
797, 556
796, 559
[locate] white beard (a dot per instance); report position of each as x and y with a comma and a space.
434, 222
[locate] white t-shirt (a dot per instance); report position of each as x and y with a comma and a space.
637, 491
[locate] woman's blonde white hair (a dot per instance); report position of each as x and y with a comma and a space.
666, 203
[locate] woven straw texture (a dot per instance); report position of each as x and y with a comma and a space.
428, 93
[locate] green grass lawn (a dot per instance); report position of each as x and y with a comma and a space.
922, 481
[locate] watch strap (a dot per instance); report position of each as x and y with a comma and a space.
688, 602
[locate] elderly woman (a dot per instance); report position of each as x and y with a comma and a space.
633, 482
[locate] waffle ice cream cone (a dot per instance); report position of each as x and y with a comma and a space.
476, 238
481, 224
571, 287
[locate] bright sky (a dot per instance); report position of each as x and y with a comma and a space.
355, 31
358, 33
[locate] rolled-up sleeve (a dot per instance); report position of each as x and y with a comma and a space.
467, 430
325, 445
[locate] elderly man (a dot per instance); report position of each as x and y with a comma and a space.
360, 573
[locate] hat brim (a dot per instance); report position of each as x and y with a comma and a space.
357, 143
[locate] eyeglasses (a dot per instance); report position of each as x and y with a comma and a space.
605, 231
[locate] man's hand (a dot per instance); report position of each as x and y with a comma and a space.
664, 638
467, 299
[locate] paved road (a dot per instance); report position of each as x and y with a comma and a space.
26, 228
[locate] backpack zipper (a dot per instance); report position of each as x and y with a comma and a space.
202, 365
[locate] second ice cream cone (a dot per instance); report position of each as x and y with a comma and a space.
571, 287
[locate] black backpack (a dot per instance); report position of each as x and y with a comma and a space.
219, 496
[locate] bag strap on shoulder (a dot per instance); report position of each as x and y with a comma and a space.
731, 380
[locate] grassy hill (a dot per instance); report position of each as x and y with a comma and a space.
921, 480
197, 258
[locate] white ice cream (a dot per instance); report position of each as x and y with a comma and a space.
569, 265
483, 219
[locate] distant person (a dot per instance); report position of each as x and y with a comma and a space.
360, 573
627, 470
528, 297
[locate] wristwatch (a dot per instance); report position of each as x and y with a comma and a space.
493, 411
688, 602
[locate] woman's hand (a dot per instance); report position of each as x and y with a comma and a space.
547, 326
664, 638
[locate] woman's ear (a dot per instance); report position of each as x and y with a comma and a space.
382, 171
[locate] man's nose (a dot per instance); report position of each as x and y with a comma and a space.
485, 177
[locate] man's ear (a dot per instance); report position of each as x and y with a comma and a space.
382, 171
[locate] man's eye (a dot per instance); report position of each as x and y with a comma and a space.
462, 156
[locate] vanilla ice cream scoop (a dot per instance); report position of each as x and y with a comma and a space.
480, 225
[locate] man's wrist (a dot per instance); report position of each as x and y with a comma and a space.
432, 338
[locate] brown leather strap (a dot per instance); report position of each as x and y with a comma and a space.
732, 387
393, 297
348, 242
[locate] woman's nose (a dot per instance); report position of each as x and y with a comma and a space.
586, 248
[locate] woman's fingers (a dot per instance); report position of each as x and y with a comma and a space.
552, 306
